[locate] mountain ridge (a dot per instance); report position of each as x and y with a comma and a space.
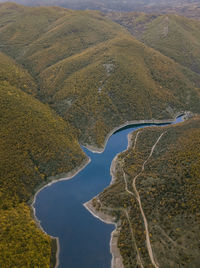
174, 36
55, 95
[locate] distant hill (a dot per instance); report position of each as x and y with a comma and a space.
188, 8
174, 36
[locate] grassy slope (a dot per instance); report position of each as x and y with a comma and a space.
34, 144
169, 191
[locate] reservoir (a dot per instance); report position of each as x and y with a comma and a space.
84, 240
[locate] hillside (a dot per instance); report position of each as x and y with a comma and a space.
114, 82
15, 75
91, 71
174, 36
177, 38
34, 144
40, 37
69, 77
168, 189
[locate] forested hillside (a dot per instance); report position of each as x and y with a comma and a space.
40, 37
160, 169
15, 75
92, 72
34, 144
115, 82
70, 77
174, 36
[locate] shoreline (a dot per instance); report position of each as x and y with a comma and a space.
54, 179
116, 257
116, 261
96, 149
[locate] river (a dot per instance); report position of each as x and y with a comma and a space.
84, 240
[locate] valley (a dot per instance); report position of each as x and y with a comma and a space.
67, 79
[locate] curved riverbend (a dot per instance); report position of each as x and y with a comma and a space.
84, 239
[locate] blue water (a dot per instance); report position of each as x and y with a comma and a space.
84, 240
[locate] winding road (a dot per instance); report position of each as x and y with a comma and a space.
137, 196
134, 241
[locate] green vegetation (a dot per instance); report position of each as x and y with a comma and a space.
169, 192
174, 36
40, 37
92, 72
41, 139
15, 75
22, 242
72, 76
91, 89
34, 144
